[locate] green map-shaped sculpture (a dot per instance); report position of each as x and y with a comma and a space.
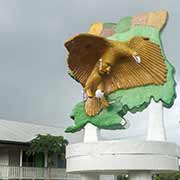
133, 99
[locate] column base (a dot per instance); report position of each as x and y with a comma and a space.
122, 156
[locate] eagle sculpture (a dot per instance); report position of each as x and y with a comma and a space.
103, 66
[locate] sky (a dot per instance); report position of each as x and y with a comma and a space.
34, 84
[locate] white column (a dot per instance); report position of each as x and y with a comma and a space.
114, 177
21, 158
90, 176
141, 175
20, 163
156, 129
45, 160
91, 133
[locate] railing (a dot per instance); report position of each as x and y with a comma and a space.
9, 172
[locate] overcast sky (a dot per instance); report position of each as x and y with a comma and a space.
34, 85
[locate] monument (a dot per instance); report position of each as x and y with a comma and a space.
122, 68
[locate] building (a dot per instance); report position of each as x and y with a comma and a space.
15, 164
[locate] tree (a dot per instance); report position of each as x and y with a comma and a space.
49, 145
122, 177
171, 176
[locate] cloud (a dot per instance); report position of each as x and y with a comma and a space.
8, 16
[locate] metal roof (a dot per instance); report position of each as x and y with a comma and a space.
14, 131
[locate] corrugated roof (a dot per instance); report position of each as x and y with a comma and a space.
24, 132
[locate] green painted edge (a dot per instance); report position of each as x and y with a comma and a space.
109, 25
123, 24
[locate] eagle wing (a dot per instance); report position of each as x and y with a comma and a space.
84, 52
128, 74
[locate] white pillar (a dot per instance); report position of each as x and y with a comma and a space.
114, 177
156, 129
140, 175
45, 160
21, 158
90, 176
91, 133
20, 163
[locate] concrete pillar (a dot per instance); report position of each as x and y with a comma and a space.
140, 175
89, 176
114, 177
20, 163
91, 133
156, 129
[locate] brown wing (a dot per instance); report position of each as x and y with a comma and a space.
128, 74
84, 52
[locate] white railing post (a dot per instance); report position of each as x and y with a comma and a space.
68, 177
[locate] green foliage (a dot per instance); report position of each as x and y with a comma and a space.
171, 176
175, 176
122, 177
49, 145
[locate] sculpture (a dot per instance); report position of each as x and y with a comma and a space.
116, 62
